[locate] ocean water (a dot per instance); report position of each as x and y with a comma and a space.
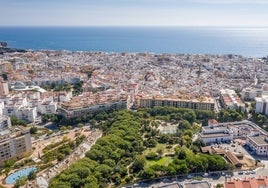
250, 42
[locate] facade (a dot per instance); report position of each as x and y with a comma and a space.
4, 90
215, 134
230, 100
89, 102
198, 104
262, 104
252, 93
259, 144
14, 143
48, 107
24, 112
5, 122
221, 132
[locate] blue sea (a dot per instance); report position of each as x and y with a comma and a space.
250, 42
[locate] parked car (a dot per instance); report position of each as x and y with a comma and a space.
240, 172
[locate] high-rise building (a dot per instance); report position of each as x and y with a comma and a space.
14, 143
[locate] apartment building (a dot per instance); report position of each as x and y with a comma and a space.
48, 107
5, 122
262, 104
198, 104
18, 107
252, 93
230, 99
14, 143
91, 103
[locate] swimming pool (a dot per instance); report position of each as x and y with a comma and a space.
11, 179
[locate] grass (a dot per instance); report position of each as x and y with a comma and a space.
162, 161
158, 146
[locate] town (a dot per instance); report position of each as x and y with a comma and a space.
37, 86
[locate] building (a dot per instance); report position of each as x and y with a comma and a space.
5, 122
230, 100
92, 103
4, 90
259, 144
48, 107
14, 143
197, 104
215, 134
196, 184
252, 93
249, 182
262, 104
221, 132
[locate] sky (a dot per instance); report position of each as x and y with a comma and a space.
134, 13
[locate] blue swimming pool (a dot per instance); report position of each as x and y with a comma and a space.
11, 179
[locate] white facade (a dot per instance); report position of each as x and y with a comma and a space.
2, 105
262, 104
259, 144
251, 94
27, 113
215, 134
48, 107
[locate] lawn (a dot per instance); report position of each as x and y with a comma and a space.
162, 161
158, 146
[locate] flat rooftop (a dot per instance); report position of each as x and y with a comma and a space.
203, 184
260, 140
210, 135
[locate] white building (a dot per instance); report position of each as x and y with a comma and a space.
262, 104
47, 107
17, 106
259, 144
5, 122
230, 99
252, 93
215, 134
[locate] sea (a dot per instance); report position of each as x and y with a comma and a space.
246, 41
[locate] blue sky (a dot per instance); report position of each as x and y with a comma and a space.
134, 12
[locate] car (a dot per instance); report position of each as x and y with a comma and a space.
252, 172
190, 176
247, 172
240, 172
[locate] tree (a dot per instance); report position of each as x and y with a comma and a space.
184, 125
20, 182
31, 175
138, 164
160, 152
190, 116
33, 130
219, 185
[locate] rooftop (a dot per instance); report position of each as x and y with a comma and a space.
197, 184
259, 140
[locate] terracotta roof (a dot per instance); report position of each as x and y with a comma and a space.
247, 183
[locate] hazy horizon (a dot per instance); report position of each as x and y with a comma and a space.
212, 13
